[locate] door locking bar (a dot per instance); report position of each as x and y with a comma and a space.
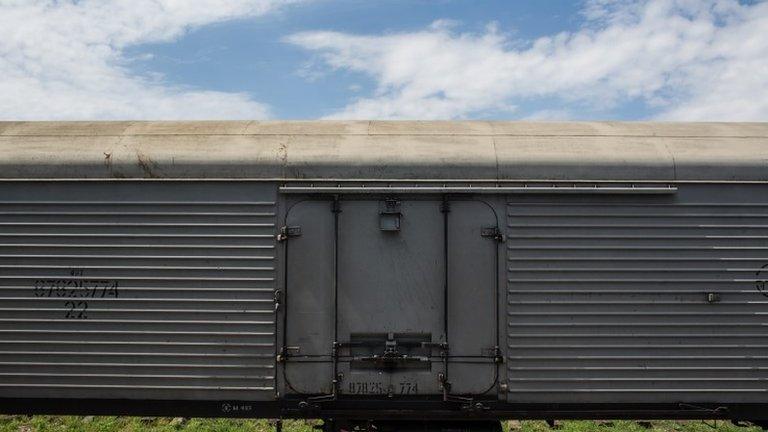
391, 357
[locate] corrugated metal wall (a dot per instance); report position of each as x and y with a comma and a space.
608, 302
137, 290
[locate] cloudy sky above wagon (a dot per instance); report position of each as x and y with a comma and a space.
394, 59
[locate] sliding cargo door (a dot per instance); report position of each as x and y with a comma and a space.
393, 297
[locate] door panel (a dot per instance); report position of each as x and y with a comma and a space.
309, 298
390, 282
472, 297
394, 261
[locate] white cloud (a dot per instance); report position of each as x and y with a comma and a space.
64, 59
686, 59
549, 115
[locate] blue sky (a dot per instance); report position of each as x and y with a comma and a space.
250, 54
401, 59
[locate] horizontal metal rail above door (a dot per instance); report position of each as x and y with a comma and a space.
598, 189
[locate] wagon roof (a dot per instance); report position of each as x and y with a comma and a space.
387, 150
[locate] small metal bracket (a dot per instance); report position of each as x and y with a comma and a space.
390, 206
285, 352
278, 299
445, 206
389, 215
467, 403
336, 204
287, 232
440, 345
336, 384
492, 233
473, 406
495, 354
718, 411
335, 348
313, 400
442, 379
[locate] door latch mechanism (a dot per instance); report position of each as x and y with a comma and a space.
492, 233
288, 231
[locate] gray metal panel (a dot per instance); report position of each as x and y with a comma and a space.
309, 298
391, 282
137, 290
472, 290
608, 297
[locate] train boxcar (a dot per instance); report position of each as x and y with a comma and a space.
403, 274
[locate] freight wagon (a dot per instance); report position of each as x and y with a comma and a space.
400, 274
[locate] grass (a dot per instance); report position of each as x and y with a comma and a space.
136, 424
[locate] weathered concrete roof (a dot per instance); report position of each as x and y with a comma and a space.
386, 150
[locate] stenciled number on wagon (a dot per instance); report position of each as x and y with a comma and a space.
75, 288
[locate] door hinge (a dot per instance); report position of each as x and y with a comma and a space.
492, 233
495, 354
288, 231
445, 206
278, 299
285, 352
